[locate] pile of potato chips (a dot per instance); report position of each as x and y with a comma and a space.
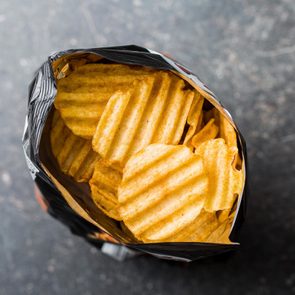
155, 156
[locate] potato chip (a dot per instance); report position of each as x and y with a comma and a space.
227, 131
209, 131
225, 218
229, 214
224, 181
153, 111
229, 134
162, 191
223, 215
198, 230
73, 154
204, 226
82, 95
104, 186
194, 119
221, 234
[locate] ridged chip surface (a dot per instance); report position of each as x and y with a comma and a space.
220, 234
162, 191
194, 119
104, 187
153, 111
209, 131
225, 182
82, 96
198, 230
73, 154
227, 131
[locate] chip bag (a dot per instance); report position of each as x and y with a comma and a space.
132, 152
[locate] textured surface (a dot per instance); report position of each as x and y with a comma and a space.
225, 182
162, 191
74, 154
154, 111
104, 188
90, 87
245, 52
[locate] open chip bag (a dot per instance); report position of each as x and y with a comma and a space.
134, 153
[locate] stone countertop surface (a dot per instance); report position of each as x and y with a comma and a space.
245, 52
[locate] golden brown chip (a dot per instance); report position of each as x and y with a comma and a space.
228, 214
227, 131
104, 187
154, 111
221, 233
225, 182
209, 131
73, 154
162, 191
223, 215
198, 230
82, 96
194, 119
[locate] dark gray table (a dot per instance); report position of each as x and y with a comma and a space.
245, 52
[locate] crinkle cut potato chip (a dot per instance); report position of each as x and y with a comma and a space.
228, 214
225, 182
229, 134
221, 233
104, 186
226, 131
209, 131
153, 111
198, 230
82, 95
194, 118
162, 191
73, 154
